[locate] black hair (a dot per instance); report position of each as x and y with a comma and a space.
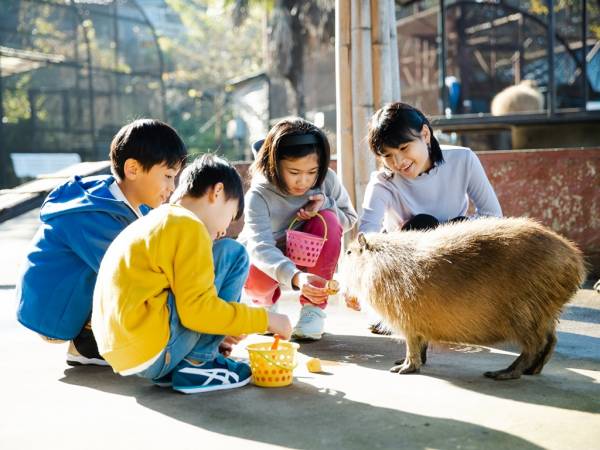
206, 171
149, 142
292, 138
398, 123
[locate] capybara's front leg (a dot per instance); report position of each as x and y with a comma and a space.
424, 347
412, 362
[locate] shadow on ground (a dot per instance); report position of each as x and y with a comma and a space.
287, 416
581, 314
560, 385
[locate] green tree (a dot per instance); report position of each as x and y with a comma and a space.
210, 51
292, 24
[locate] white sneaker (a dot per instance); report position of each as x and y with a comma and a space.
310, 324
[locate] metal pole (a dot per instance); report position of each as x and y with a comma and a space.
90, 68
441, 42
115, 97
3, 150
520, 38
584, 78
78, 105
551, 43
161, 62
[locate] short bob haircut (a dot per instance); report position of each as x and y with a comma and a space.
396, 124
291, 138
149, 142
206, 171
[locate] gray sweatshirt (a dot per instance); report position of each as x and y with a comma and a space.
443, 192
269, 212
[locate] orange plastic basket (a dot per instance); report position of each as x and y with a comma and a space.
304, 248
272, 368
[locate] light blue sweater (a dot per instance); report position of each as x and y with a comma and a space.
443, 192
268, 214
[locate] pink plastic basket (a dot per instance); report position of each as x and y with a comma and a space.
304, 248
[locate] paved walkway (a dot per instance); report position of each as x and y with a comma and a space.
355, 404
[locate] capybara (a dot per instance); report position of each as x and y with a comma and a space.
480, 281
522, 97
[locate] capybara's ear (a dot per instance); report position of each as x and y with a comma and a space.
362, 241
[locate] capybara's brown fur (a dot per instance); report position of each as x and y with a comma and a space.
481, 281
523, 97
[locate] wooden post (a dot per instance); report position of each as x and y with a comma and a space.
367, 76
382, 70
343, 75
394, 51
362, 95
386, 75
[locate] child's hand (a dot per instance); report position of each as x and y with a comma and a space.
226, 346
311, 286
312, 207
234, 340
280, 324
352, 302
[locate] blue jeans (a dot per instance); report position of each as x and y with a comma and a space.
231, 270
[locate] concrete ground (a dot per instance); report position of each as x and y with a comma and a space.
354, 404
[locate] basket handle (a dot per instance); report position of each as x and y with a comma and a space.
320, 217
275, 363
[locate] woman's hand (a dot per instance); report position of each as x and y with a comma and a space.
312, 207
311, 286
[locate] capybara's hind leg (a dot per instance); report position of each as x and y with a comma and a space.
533, 346
543, 356
513, 371
424, 347
412, 362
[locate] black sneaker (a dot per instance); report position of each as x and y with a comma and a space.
83, 350
220, 373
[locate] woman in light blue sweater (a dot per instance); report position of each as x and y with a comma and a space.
291, 179
420, 184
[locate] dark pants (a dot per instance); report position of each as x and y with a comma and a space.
426, 222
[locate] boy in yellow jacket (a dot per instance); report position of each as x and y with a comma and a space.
166, 294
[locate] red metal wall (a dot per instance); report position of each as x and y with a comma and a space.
558, 187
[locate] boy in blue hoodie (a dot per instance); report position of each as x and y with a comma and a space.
80, 219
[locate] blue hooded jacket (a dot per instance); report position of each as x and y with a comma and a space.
80, 219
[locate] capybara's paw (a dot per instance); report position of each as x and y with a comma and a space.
535, 368
405, 368
503, 374
423, 357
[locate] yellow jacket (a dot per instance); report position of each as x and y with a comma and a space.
167, 249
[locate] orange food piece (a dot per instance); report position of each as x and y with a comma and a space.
333, 287
314, 365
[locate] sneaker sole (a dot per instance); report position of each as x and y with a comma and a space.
74, 360
307, 337
219, 387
